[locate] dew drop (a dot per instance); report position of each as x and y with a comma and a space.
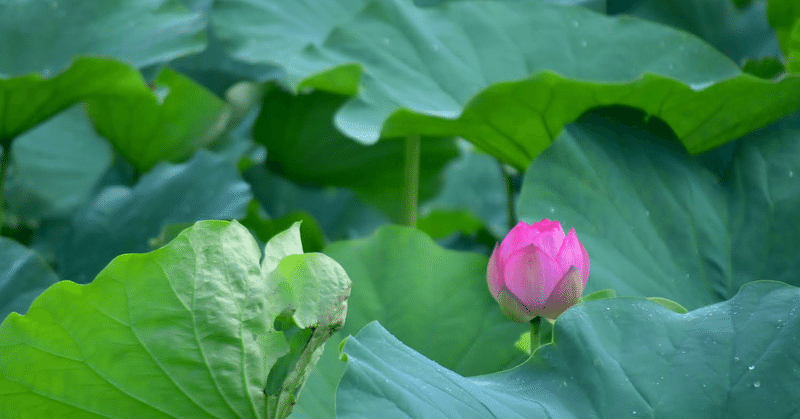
575, 23
634, 412
736, 358
552, 210
385, 41
791, 173
752, 367
757, 384
583, 44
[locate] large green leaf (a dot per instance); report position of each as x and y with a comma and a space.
166, 124
340, 213
533, 68
56, 166
28, 100
657, 223
783, 15
410, 284
44, 36
739, 33
122, 220
614, 358
436, 300
304, 146
474, 181
23, 276
185, 331
793, 56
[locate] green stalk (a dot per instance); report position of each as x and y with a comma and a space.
536, 325
541, 332
284, 402
510, 210
411, 180
5, 160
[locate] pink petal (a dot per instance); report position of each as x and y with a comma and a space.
512, 307
550, 240
520, 236
530, 274
547, 225
566, 294
572, 253
494, 272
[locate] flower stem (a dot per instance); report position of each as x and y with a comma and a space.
510, 211
411, 180
541, 332
5, 160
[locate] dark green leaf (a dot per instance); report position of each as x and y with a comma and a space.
56, 166
765, 68
122, 220
340, 213
437, 300
264, 229
424, 71
657, 224
23, 276
783, 15
442, 223
615, 358
45, 36
739, 31
168, 123
25, 101
303, 145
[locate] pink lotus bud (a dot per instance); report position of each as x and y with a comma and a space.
538, 271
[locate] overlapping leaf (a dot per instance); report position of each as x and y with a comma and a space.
340, 213
303, 145
437, 300
657, 223
783, 15
23, 276
166, 124
122, 220
30, 99
739, 33
185, 331
505, 75
617, 358
44, 37
56, 166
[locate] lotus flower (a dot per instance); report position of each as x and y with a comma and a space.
538, 271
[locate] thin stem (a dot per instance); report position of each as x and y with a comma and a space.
536, 326
510, 210
411, 180
5, 160
296, 378
541, 332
